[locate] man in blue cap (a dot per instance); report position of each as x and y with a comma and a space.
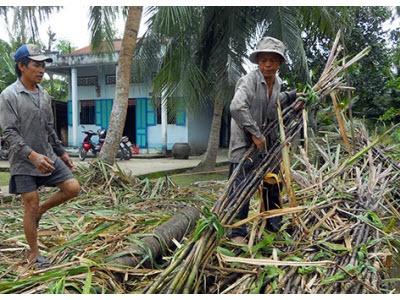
37, 157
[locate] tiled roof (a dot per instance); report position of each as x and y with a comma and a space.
88, 49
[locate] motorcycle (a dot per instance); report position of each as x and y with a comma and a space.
124, 150
89, 146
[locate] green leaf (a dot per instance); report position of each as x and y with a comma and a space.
334, 278
273, 271
210, 220
58, 287
294, 258
225, 251
372, 217
306, 270
267, 241
88, 283
334, 246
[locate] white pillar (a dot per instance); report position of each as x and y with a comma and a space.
164, 123
75, 108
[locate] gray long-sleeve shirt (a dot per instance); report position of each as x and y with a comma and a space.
28, 125
251, 109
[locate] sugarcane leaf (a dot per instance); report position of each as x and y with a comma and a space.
306, 270
294, 258
259, 283
218, 227
88, 282
334, 278
58, 287
225, 251
372, 269
321, 255
391, 226
267, 241
372, 217
288, 240
202, 225
334, 246
273, 271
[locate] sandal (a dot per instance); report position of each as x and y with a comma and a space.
42, 262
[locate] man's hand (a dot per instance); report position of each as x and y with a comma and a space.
67, 160
260, 143
299, 104
44, 164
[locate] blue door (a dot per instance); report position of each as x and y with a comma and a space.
141, 122
103, 112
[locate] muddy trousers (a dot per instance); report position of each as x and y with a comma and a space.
270, 197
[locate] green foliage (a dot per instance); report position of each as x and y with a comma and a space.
264, 243
210, 220
268, 274
57, 88
25, 22
88, 282
64, 47
311, 98
7, 73
58, 287
390, 114
372, 217
101, 25
334, 246
377, 86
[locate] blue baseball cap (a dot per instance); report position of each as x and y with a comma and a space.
31, 51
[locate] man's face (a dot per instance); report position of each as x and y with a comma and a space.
34, 71
269, 63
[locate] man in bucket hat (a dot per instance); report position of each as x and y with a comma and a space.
36, 157
252, 108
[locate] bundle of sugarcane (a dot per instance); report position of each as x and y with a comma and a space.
185, 272
342, 243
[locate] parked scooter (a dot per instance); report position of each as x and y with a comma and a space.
124, 151
125, 148
88, 145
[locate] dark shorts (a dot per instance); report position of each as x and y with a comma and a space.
25, 183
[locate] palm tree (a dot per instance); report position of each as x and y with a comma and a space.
25, 21
206, 47
101, 25
7, 72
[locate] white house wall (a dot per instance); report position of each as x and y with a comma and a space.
175, 134
199, 124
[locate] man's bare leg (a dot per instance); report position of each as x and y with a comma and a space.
68, 190
31, 212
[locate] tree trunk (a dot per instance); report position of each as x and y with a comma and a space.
160, 241
210, 157
120, 105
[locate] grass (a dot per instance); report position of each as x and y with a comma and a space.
186, 179
4, 178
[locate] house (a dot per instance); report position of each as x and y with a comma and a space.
92, 81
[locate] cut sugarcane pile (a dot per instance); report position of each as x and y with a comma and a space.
113, 211
342, 241
188, 271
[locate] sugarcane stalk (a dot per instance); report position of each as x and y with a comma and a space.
341, 123
152, 289
286, 159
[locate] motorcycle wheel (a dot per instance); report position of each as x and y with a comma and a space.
82, 154
126, 153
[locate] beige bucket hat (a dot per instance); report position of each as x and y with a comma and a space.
269, 44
